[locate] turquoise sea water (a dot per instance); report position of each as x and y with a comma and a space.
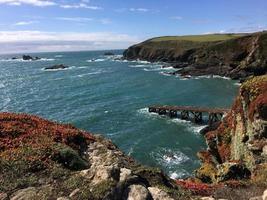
103, 95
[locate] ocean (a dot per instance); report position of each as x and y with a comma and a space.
108, 96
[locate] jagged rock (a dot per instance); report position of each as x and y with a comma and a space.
264, 196
232, 171
106, 173
124, 174
264, 150
25, 194
207, 198
138, 192
27, 57
55, 67
158, 194
3, 196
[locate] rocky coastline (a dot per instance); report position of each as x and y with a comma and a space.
40, 159
238, 57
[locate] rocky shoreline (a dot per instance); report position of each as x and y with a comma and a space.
237, 58
40, 159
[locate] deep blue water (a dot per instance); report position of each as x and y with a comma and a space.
111, 98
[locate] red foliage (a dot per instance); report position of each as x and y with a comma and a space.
201, 189
22, 131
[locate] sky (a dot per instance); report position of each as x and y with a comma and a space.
72, 25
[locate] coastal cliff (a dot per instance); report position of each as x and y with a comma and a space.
233, 55
40, 159
237, 149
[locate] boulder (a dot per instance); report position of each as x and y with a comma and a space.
159, 194
27, 57
55, 67
264, 196
124, 173
138, 192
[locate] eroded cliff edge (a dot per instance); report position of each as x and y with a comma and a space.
237, 150
232, 55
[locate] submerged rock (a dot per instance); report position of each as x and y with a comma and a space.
55, 67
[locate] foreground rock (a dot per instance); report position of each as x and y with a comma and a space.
40, 159
56, 67
238, 57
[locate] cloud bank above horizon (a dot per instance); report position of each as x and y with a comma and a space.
72, 25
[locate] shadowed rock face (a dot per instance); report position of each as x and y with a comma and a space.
40, 159
237, 148
237, 58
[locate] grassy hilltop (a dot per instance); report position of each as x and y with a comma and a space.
233, 55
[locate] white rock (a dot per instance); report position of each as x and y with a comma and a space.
138, 192
264, 150
159, 194
124, 173
63, 198
25, 194
264, 196
105, 173
74, 193
255, 198
3, 196
207, 198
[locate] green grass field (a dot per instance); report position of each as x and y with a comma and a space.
198, 38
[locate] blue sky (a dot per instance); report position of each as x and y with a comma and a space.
65, 25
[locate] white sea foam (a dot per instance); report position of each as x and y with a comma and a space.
169, 157
58, 56
88, 74
137, 66
165, 74
21, 60
2, 85
237, 84
178, 174
96, 60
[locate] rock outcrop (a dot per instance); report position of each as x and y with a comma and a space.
238, 57
56, 67
237, 148
27, 57
40, 159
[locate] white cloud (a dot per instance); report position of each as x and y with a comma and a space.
139, 9
24, 23
80, 5
177, 18
75, 19
40, 3
35, 41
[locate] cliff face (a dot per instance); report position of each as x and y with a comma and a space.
237, 57
40, 159
238, 148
